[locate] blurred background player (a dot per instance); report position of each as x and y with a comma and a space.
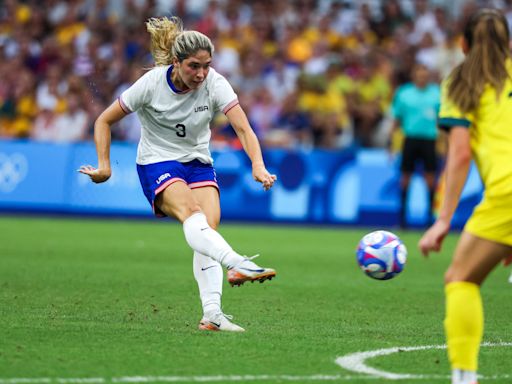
476, 110
175, 102
414, 109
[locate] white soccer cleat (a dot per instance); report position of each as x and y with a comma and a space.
219, 322
249, 271
461, 376
510, 279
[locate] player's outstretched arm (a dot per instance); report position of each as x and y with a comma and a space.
239, 122
456, 172
102, 138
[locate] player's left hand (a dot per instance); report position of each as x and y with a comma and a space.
260, 173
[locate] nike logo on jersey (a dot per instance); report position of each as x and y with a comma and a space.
211, 266
201, 108
204, 229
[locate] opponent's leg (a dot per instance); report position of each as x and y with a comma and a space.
473, 260
464, 323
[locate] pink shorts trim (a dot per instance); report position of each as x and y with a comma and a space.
167, 183
202, 184
199, 184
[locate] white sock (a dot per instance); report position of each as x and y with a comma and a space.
207, 241
460, 376
208, 274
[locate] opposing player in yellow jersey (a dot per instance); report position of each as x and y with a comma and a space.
476, 110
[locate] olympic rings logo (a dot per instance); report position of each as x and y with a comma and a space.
13, 169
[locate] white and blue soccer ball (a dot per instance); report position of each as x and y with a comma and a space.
381, 255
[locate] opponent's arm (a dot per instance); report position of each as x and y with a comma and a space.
456, 172
102, 138
240, 124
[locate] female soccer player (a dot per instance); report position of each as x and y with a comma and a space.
175, 102
476, 110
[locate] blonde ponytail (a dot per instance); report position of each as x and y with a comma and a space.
164, 32
169, 41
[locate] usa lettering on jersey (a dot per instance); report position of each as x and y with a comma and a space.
163, 177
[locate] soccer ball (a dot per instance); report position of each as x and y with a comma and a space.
381, 255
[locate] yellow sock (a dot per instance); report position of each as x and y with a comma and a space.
464, 324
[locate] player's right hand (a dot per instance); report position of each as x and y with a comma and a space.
99, 175
433, 238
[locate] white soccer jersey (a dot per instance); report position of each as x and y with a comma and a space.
176, 126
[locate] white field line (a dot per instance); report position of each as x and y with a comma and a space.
180, 379
355, 362
213, 379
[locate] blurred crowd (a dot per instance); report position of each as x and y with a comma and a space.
309, 73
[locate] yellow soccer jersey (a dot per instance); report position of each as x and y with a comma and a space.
490, 127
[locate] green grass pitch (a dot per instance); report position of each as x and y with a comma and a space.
103, 301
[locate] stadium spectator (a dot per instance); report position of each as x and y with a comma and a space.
175, 102
100, 40
319, 61
344, 17
50, 93
128, 129
475, 110
249, 79
24, 99
263, 112
414, 109
282, 73
326, 110
323, 31
44, 128
448, 55
392, 18
371, 98
293, 125
427, 52
425, 21
73, 124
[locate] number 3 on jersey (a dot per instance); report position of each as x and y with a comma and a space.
180, 130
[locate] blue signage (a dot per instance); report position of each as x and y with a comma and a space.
325, 187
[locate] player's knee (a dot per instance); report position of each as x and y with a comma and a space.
182, 211
453, 275
448, 276
191, 208
214, 224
